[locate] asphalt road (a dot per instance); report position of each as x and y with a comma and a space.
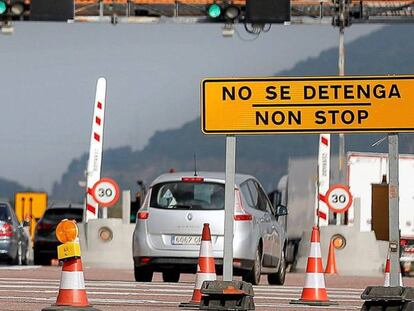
33, 288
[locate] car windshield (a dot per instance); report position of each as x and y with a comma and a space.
4, 212
58, 214
188, 195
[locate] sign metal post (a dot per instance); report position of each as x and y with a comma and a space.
393, 193
229, 207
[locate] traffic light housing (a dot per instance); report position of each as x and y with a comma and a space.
224, 12
14, 10
52, 10
267, 11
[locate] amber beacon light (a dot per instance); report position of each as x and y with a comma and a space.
67, 231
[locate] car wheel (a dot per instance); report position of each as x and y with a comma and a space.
40, 260
143, 274
279, 277
253, 276
171, 276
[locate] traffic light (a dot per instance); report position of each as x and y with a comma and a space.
13, 10
267, 11
223, 12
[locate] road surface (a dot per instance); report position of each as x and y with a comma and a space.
34, 287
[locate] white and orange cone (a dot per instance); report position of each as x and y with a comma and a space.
387, 273
331, 262
206, 269
72, 292
314, 292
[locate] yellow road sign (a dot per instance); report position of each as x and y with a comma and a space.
307, 104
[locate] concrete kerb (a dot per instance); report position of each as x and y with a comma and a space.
370, 261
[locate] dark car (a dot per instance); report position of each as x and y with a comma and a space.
45, 241
14, 240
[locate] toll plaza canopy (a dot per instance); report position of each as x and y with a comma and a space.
174, 8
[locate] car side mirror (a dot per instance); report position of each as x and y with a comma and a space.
281, 210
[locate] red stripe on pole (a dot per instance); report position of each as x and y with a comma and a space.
99, 105
96, 136
91, 208
322, 215
324, 141
90, 191
322, 197
98, 120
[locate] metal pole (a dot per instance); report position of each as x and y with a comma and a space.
101, 9
393, 197
341, 67
126, 206
229, 207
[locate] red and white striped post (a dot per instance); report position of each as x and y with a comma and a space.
321, 208
95, 150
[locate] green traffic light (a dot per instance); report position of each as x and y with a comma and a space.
214, 10
3, 7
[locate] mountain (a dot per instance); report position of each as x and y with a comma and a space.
9, 188
386, 51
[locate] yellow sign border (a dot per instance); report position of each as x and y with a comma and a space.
342, 79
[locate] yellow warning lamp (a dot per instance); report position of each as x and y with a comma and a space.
67, 233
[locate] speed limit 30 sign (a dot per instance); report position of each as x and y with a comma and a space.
338, 198
106, 192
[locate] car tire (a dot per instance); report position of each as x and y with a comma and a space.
143, 274
171, 276
278, 278
40, 260
253, 276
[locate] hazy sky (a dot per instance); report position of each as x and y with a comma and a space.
48, 73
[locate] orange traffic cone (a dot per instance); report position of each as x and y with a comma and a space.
387, 272
206, 269
72, 292
314, 291
331, 263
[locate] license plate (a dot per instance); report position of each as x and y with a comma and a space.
186, 240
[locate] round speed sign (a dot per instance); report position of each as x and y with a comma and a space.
338, 198
106, 192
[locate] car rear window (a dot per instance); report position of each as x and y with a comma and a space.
188, 195
4, 212
58, 214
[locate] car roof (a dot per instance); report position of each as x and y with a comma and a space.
208, 176
61, 205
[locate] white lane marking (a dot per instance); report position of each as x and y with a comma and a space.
19, 267
337, 307
163, 284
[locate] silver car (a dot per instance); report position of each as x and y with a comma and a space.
14, 241
169, 225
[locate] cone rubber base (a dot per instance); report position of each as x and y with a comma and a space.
69, 308
313, 302
190, 305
